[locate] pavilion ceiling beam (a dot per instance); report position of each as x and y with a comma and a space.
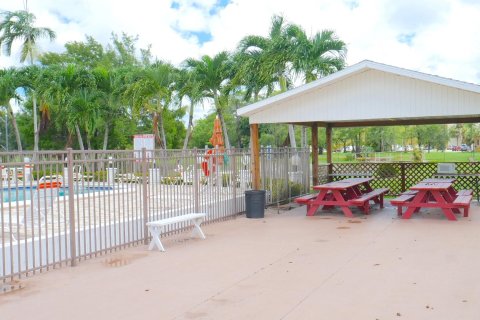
393, 122
405, 122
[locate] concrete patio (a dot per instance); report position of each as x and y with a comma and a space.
286, 266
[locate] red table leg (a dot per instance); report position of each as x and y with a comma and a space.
420, 197
342, 203
314, 204
441, 200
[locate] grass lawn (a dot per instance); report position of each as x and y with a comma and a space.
432, 156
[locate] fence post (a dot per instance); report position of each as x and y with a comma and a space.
287, 158
234, 180
263, 169
402, 172
196, 182
145, 195
329, 172
71, 209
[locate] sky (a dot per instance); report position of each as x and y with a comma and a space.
433, 36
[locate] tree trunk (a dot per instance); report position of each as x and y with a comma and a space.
291, 135
224, 129
162, 129
15, 127
89, 143
237, 123
155, 130
222, 121
189, 127
80, 141
36, 131
69, 140
105, 136
304, 137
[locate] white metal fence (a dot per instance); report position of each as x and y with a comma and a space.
61, 207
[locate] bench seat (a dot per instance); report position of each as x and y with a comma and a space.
363, 200
305, 199
463, 202
156, 227
409, 192
465, 192
402, 200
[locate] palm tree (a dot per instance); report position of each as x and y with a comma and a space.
19, 25
214, 74
189, 87
252, 83
317, 57
8, 85
151, 89
276, 54
109, 86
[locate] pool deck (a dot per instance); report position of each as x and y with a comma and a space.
286, 266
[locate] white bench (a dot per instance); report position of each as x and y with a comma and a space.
156, 227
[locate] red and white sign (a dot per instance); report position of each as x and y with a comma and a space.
146, 141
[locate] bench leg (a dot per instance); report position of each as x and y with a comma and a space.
465, 211
399, 210
156, 232
366, 207
197, 229
381, 201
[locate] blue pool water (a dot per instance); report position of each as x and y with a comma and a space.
25, 193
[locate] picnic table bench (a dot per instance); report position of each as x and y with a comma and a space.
156, 227
363, 201
344, 194
306, 199
434, 193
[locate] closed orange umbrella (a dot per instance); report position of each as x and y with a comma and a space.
217, 139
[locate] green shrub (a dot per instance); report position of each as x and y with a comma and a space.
279, 189
295, 188
350, 157
99, 176
46, 172
226, 179
172, 180
417, 155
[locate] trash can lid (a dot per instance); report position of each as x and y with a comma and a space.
255, 191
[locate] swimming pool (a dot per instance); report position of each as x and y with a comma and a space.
20, 193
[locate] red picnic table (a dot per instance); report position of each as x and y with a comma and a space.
344, 193
434, 193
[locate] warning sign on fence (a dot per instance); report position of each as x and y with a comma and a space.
141, 141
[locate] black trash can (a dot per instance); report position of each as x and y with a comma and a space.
255, 203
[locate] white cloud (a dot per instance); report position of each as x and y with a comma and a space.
441, 40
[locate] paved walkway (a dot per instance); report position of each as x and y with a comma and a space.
286, 266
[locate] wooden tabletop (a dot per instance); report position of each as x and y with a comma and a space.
342, 184
432, 186
357, 180
439, 180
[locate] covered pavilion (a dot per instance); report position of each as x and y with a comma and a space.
365, 94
